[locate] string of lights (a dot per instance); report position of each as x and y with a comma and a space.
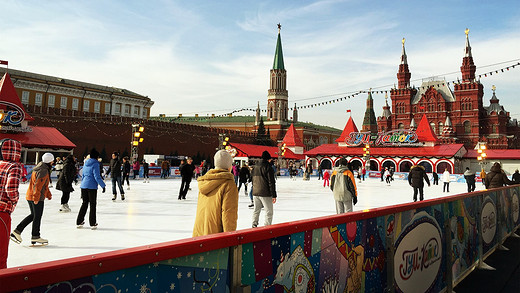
385, 90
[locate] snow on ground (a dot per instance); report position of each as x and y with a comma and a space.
152, 214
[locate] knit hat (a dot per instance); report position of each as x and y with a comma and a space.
223, 160
94, 154
266, 156
47, 158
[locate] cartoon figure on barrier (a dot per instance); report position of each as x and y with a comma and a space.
294, 273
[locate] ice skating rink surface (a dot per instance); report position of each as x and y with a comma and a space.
151, 213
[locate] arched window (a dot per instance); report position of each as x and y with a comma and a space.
405, 166
441, 127
432, 125
467, 127
400, 126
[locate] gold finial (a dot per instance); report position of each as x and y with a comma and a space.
493, 88
279, 27
467, 31
386, 95
403, 40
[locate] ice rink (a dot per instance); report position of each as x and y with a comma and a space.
152, 214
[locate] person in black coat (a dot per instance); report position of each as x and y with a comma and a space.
470, 179
114, 169
244, 176
65, 180
146, 170
516, 177
264, 189
126, 172
435, 178
186, 176
415, 179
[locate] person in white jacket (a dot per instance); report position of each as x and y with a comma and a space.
446, 180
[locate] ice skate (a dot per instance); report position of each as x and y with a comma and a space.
39, 240
128, 188
114, 198
80, 225
16, 237
64, 208
123, 196
252, 205
94, 227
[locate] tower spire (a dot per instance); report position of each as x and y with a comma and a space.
278, 54
403, 75
468, 68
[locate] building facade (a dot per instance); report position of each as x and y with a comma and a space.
456, 116
44, 94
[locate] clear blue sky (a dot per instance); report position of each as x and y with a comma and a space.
214, 56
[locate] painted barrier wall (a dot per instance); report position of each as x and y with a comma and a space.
427, 246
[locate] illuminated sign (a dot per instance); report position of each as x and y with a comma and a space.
389, 138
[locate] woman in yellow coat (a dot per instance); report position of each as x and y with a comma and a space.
217, 206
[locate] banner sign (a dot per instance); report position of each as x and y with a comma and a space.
12, 117
398, 137
418, 254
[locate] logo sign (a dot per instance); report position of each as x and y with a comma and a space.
488, 218
13, 115
515, 207
418, 254
389, 138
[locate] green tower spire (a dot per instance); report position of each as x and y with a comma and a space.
278, 55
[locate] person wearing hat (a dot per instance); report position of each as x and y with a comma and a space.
264, 190
10, 176
217, 205
36, 193
90, 180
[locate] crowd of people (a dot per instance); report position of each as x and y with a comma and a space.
218, 187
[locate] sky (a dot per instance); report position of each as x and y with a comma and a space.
213, 57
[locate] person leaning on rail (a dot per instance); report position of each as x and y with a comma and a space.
496, 177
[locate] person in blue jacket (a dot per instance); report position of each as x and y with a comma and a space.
89, 185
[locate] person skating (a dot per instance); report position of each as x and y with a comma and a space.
363, 173
470, 179
90, 180
516, 177
496, 177
217, 205
10, 177
114, 169
435, 178
126, 172
388, 176
326, 178
236, 172
446, 180
244, 176
146, 170
416, 179
186, 171
37, 192
343, 186
320, 172
264, 190
164, 169
65, 181
135, 168
58, 166
483, 176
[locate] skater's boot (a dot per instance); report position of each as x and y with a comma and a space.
81, 225
128, 188
16, 237
67, 207
94, 227
251, 205
115, 196
122, 197
64, 208
39, 240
